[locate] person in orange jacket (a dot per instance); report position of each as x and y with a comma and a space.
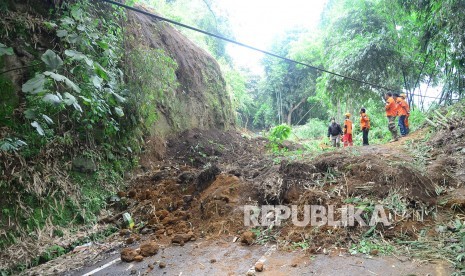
391, 113
364, 125
347, 139
407, 107
402, 113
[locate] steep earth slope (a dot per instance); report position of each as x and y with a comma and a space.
65, 173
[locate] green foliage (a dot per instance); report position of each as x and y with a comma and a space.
90, 60
8, 101
4, 50
264, 116
279, 133
240, 86
264, 236
11, 144
313, 129
416, 119
75, 103
369, 246
153, 74
206, 15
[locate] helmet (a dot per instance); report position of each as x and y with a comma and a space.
347, 115
403, 95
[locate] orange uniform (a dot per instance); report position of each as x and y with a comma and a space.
408, 113
364, 121
347, 126
391, 107
402, 107
347, 138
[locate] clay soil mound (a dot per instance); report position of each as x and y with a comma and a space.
206, 177
360, 175
198, 147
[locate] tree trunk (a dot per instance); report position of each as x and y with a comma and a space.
289, 115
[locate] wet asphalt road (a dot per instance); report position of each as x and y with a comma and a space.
226, 258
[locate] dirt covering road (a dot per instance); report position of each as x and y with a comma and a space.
190, 203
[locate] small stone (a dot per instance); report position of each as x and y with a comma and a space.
129, 240
374, 252
148, 249
248, 237
145, 231
133, 272
138, 258
128, 254
151, 266
259, 267
162, 265
213, 261
132, 194
294, 265
182, 238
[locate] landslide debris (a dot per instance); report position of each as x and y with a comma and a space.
206, 177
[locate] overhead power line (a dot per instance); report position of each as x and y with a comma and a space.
254, 48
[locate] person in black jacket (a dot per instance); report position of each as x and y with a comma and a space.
335, 133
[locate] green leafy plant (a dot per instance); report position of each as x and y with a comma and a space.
277, 135
371, 247
11, 144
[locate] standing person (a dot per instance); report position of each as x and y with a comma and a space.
406, 123
364, 125
391, 113
335, 132
402, 112
347, 131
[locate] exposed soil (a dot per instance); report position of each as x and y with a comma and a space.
199, 187
206, 177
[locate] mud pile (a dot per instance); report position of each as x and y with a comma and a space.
206, 177
364, 175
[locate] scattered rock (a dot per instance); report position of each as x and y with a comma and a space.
128, 254
129, 240
294, 265
162, 265
213, 261
186, 177
151, 266
138, 258
84, 165
187, 198
160, 232
132, 194
160, 175
374, 252
169, 220
148, 249
259, 266
206, 177
146, 231
248, 238
161, 214
235, 172
182, 238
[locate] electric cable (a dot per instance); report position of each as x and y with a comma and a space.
161, 18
